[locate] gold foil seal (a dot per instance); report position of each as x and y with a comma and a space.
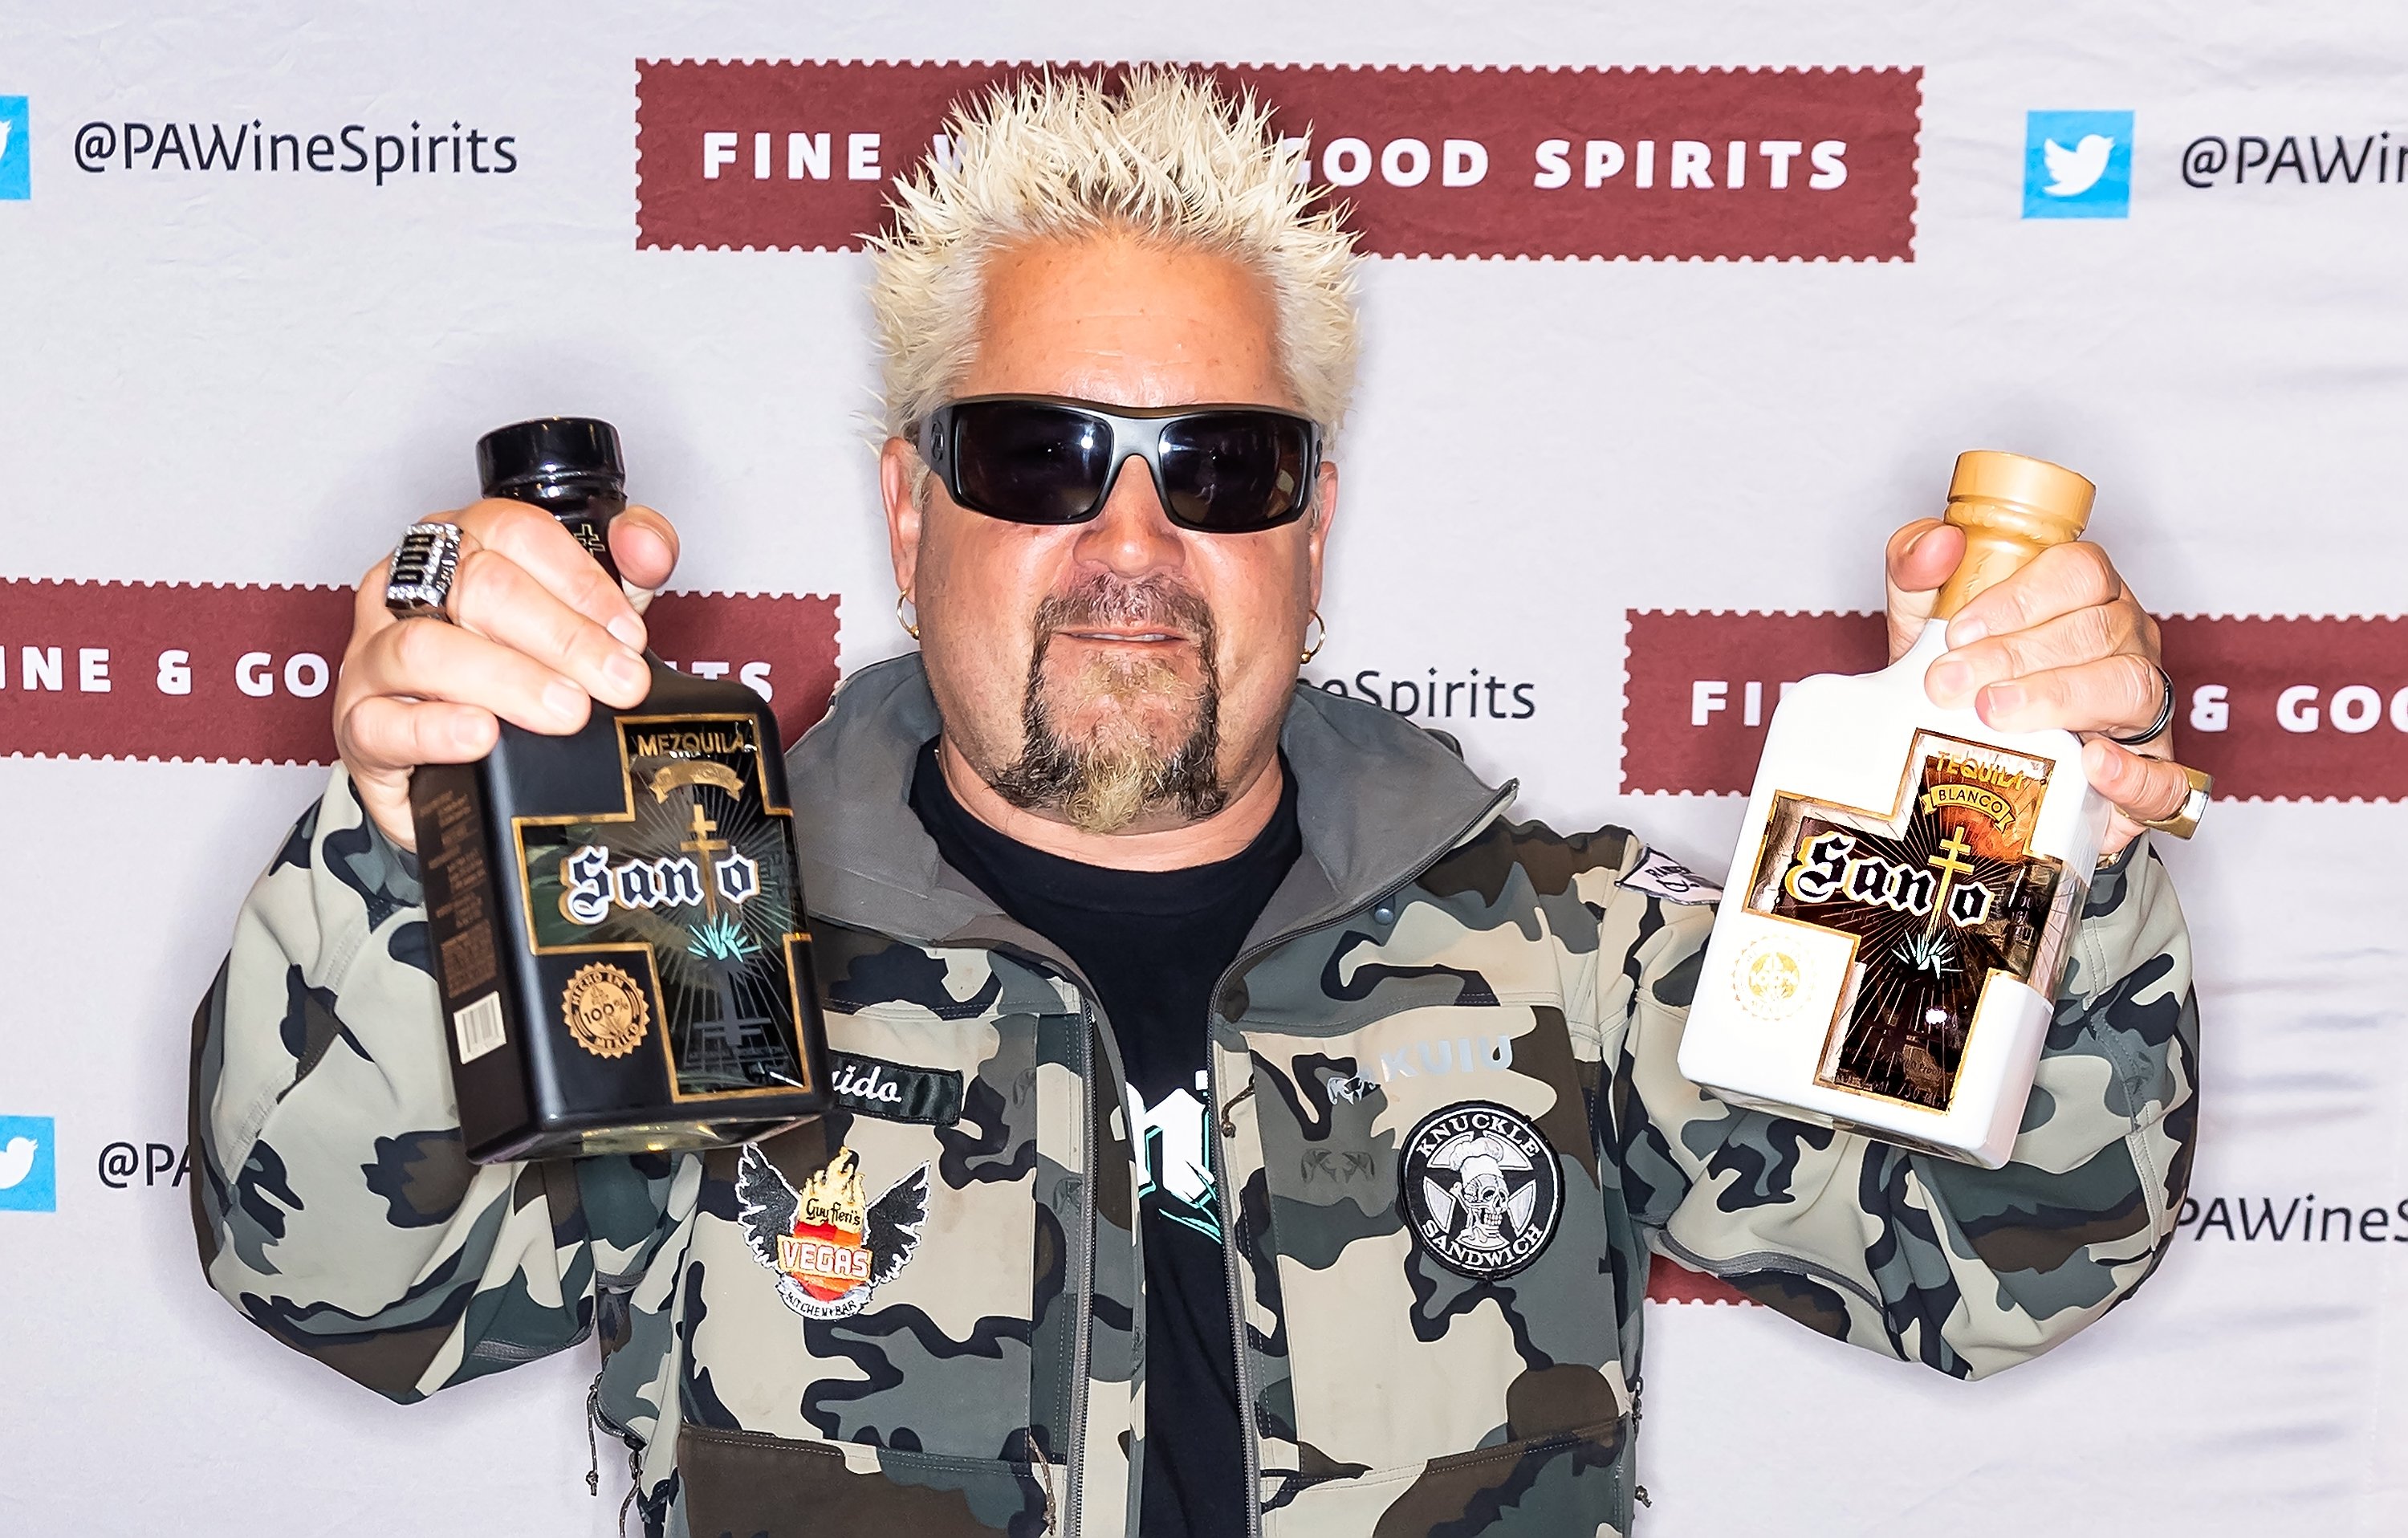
2010, 507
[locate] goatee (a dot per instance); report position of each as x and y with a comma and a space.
1119, 771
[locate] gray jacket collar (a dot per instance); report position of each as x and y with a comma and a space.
1378, 800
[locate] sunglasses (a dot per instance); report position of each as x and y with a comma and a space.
1049, 459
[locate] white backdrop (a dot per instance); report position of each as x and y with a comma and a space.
260, 379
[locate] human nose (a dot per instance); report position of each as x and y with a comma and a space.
1131, 535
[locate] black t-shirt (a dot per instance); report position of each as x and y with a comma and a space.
1153, 943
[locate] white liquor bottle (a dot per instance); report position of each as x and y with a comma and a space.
1906, 881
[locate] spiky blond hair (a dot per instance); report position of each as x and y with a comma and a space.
1161, 152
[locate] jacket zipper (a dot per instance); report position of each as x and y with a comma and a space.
1246, 1428
1249, 1435
1083, 1276
595, 1416
1083, 1280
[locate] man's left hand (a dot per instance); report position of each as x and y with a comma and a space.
2061, 643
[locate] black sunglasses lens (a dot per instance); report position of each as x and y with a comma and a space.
1029, 462
1235, 471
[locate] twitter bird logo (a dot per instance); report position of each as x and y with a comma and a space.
2072, 172
16, 159
2093, 179
28, 1175
17, 1162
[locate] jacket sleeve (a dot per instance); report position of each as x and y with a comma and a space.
1964, 1270
331, 1202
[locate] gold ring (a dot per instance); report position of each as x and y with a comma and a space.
2184, 822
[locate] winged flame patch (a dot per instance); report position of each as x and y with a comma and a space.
829, 1246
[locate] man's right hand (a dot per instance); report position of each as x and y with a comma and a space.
540, 632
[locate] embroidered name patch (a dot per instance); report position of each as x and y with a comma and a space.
873, 1087
1482, 1191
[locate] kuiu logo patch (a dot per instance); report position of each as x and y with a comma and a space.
1351, 1088
1447, 1054
1481, 1189
873, 1087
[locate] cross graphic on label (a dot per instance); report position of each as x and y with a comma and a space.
1935, 896
704, 846
1951, 863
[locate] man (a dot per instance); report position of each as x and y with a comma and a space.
1304, 1127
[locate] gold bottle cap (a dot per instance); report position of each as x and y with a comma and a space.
2010, 507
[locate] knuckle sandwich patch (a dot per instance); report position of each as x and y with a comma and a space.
1482, 1191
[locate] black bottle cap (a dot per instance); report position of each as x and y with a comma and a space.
548, 449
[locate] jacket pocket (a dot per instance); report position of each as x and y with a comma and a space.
1571, 1482
747, 1484
860, 1279
1431, 1248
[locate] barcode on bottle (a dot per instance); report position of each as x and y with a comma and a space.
478, 1029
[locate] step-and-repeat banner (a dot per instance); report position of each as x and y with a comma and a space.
1668, 322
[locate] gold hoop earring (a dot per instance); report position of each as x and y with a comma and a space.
1315, 650
910, 626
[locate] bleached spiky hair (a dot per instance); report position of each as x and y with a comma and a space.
1163, 153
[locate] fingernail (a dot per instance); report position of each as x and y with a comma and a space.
630, 630
1950, 679
1964, 630
563, 698
625, 670
2002, 698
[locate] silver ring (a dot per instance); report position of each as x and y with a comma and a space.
419, 580
2165, 715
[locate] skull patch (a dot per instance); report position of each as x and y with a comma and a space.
1482, 1190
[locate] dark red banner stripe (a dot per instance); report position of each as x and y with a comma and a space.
242, 673
1784, 163
2276, 709
1670, 1283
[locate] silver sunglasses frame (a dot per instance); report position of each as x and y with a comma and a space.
1137, 434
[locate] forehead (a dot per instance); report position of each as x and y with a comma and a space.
1127, 321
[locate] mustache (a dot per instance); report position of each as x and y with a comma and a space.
1104, 599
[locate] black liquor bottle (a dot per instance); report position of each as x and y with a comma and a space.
618, 922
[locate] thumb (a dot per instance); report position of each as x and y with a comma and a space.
384, 795
645, 545
1920, 557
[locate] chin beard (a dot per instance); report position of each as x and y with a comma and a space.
1117, 769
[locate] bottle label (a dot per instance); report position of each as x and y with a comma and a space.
686, 895
1937, 895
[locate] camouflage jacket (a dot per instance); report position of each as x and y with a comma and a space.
1446, 1118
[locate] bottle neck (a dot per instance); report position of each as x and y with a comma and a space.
583, 504
1999, 540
